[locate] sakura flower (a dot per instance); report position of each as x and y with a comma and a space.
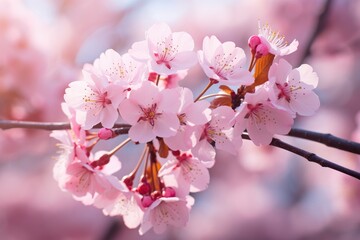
292, 89
223, 62
120, 68
261, 119
191, 115
165, 51
219, 131
151, 112
95, 99
88, 175
166, 211
268, 41
118, 200
186, 173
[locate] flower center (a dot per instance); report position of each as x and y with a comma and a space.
149, 114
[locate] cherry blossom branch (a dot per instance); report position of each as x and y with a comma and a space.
327, 139
311, 157
8, 124
49, 126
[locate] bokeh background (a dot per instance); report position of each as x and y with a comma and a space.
265, 193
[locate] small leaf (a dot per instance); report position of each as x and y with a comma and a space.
220, 101
262, 67
163, 149
225, 89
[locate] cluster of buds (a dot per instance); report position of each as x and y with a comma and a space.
180, 133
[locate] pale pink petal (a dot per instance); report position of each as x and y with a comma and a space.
198, 113
130, 111
166, 125
307, 75
258, 134
140, 51
306, 104
109, 116
145, 95
142, 132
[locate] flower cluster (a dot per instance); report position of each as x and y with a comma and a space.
180, 133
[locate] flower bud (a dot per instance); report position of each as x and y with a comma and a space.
168, 192
261, 50
146, 201
105, 133
144, 188
253, 42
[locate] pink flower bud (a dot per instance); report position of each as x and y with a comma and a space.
105, 133
155, 195
253, 42
261, 50
146, 201
168, 192
144, 188
128, 180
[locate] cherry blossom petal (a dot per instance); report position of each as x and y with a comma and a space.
141, 132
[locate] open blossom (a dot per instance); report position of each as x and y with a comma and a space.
166, 52
185, 173
123, 69
292, 89
84, 176
268, 41
191, 116
151, 112
220, 131
261, 118
166, 211
95, 99
118, 200
224, 62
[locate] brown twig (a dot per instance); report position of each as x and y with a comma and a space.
49, 126
311, 157
327, 139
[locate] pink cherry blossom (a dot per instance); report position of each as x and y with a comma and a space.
186, 173
95, 99
83, 177
151, 112
292, 89
273, 42
118, 200
224, 62
220, 131
123, 69
261, 118
190, 115
165, 51
166, 211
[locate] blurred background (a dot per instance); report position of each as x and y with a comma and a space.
265, 193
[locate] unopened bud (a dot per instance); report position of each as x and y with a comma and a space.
261, 50
253, 42
144, 188
146, 201
168, 192
105, 133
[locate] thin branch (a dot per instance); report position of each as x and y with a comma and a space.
311, 157
49, 126
327, 139
319, 27
8, 124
